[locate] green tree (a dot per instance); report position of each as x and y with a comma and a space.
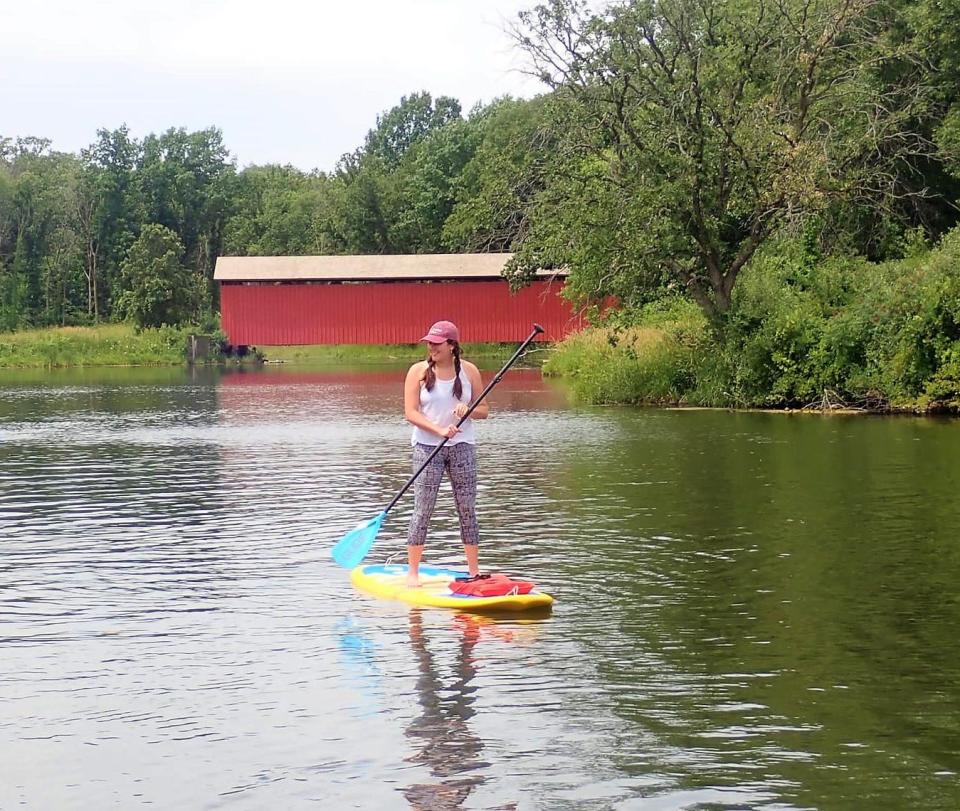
158, 289
36, 242
932, 27
919, 49
705, 126
402, 126
516, 153
186, 182
9, 313
278, 211
58, 268
425, 186
371, 209
362, 206
107, 212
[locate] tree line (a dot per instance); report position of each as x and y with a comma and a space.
131, 228
676, 140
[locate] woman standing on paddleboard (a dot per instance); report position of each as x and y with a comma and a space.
436, 394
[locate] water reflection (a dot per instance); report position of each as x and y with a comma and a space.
441, 734
755, 611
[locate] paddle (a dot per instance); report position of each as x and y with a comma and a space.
354, 546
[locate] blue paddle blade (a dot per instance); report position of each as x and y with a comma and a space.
354, 546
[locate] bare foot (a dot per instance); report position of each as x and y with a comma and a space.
413, 581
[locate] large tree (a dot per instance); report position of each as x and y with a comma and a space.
277, 212
705, 125
392, 194
38, 254
158, 289
107, 213
186, 182
933, 27
402, 126
516, 145
424, 187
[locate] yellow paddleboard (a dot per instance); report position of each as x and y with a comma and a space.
389, 581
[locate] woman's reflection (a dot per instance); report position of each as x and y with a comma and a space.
441, 733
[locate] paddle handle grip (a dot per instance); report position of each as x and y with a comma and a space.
537, 329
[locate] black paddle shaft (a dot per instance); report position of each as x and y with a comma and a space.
537, 329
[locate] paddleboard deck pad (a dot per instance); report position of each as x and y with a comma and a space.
389, 582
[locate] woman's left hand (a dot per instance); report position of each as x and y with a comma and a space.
460, 409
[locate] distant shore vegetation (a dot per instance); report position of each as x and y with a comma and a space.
103, 345
127, 345
804, 333
769, 191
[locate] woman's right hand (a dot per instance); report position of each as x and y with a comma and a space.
450, 432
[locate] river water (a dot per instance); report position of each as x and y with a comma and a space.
753, 610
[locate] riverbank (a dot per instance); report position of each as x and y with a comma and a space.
102, 345
804, 331
392, 353
672, 359
122, 345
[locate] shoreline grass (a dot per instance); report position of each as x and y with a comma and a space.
362, 354
102, 345
122, 345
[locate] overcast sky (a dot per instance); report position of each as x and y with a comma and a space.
287, 81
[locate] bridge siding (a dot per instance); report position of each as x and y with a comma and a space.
395, 312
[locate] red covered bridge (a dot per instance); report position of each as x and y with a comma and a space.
286, 300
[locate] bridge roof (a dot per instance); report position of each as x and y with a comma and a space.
407, 267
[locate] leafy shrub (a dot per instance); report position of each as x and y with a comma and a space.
803, 330
916, 333
648, 356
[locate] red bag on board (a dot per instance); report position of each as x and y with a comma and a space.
490, 585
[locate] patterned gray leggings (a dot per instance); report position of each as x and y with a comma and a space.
460, 462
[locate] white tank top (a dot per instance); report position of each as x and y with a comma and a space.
437, 406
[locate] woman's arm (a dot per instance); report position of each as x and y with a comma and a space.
411, 404
482, 411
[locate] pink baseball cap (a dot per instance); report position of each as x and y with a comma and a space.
441, 332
